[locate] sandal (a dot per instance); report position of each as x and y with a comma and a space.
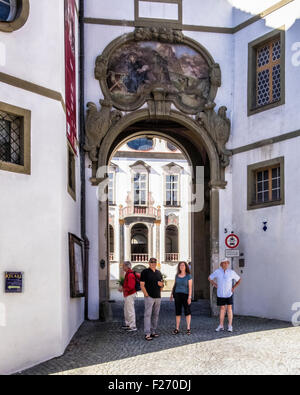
148, 338
188, 331
154, 335
175, 332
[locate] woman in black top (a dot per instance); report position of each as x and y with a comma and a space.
182, 293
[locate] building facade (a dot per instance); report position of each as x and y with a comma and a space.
218, 80
149, 207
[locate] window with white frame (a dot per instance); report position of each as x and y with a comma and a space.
140, 189
172, 190
172, 184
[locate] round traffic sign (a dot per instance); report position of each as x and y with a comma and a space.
232, 241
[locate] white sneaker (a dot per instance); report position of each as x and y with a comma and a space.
230, 329
220, 328
131, 330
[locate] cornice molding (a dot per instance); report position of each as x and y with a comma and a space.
31, 87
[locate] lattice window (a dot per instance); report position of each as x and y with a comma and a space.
268, 185
268, 88
11, 138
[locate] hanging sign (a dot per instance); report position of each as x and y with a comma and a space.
70, 72
232, 241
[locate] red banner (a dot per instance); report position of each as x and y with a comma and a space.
70, 72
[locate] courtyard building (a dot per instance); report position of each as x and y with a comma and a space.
132, 129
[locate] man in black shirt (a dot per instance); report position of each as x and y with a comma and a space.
151, 286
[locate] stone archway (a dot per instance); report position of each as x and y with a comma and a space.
203, 131
198, 137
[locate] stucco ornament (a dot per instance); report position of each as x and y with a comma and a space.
97, 125
157, 62
218, 126
163, 34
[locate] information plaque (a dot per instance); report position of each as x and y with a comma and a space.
13, 282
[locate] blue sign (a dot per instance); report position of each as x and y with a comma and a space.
13, 282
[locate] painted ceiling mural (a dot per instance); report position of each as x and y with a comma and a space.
136, 66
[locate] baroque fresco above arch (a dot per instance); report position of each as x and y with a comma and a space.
152, 61
159, 67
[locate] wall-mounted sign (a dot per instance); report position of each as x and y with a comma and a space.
232, 241
70, 72
232, 253
13, 282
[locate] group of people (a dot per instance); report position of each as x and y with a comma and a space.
151, 283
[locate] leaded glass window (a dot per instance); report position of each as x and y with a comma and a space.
268, 88
11, 138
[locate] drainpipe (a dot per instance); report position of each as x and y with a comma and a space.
82, 153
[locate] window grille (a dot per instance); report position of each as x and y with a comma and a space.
268, 89
11, 138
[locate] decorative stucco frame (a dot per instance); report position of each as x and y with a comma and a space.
20, 20
166, 35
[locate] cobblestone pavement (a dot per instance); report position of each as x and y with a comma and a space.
257, 346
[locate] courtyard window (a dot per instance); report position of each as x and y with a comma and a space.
14, 139
172, 190
265, 184
141, 144
266, 72
172, 184
140, 189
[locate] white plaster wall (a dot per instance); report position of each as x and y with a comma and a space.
207, 13
33, 53
244, 10
279, 120
36, 210
112, 9
270, 278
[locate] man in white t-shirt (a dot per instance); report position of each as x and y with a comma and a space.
225, 289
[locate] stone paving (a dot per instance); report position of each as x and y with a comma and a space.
257, 346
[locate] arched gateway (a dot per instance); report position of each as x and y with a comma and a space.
159, 81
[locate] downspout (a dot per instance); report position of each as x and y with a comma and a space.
82, 154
